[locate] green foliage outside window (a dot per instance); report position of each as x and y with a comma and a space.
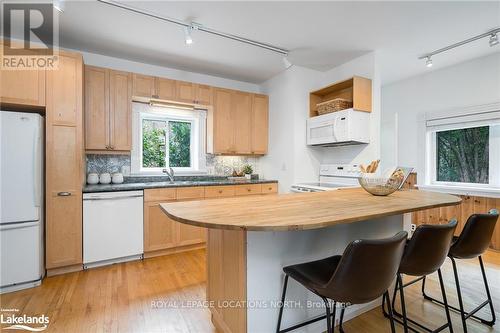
179, 144
154, 143
463, 155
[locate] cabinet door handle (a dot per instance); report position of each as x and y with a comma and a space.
63, 194
249, 190
220, 191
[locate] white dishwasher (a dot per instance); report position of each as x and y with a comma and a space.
112, 227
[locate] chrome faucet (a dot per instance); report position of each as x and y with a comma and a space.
170, 174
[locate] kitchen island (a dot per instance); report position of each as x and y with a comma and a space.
251, 239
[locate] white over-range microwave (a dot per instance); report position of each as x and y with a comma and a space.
346, 127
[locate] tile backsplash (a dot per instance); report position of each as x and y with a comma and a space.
216, 165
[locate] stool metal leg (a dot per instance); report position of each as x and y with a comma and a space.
460, 310
329, 327
459, 293
391, 317
408, 320
341, 329
403, 304
445, 301
285, 283
493, 316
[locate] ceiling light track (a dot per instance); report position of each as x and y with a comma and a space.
492, 34
199, 27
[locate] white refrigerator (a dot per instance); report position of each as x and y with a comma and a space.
21, 200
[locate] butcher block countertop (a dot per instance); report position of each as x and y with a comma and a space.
301, 211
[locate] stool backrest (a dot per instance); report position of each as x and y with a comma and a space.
367, 269
476, 236
427, 249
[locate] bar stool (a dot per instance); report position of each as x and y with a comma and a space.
473, 241
424, 254
362, 274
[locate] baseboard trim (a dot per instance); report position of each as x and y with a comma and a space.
173, 250
64, 270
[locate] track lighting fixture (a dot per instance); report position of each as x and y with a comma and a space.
58, 5
494, 39
493, 34
188, 37
428, 62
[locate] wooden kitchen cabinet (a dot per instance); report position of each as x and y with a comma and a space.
260, 124
185, 92
238, 123
120, 111
108, 110
220, 123
144, 86
203, 94
22, 88
242, 122
159, 229
96, 108
166, 89
188, 234
64, 164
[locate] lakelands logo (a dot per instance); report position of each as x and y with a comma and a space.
31, 37
24, 322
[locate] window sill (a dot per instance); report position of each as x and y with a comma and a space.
176, 173
488, 192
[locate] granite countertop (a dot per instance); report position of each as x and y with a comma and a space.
140, 183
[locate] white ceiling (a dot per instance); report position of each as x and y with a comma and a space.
321, 35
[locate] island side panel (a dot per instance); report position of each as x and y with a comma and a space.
269, 252
226, 279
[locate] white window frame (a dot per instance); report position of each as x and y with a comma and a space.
484, 115
197, 119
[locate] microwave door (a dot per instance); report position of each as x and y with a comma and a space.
321, 133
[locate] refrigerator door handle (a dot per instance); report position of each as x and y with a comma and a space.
20, 225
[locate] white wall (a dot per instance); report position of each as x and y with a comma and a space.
146, 69
470, 83
289, 159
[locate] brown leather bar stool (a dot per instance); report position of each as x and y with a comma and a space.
362, 274
424, 254
473, 241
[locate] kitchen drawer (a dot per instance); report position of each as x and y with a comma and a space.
159, 194
185, 193
270, 188
248, 189
219, 191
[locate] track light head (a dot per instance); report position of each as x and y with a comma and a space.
428, 62
494, 39
187, 35
286, 62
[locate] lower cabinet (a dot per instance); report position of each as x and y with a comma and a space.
163, 235
469, 205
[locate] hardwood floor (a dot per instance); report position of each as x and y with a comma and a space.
152, 296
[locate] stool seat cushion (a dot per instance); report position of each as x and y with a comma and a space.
314, 275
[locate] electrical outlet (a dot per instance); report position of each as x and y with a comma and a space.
413, 227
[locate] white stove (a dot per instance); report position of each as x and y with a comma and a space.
331, 177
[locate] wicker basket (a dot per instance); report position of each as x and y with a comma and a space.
333, 105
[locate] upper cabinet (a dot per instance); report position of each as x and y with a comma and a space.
108, 110
144, 86
203, 94
238, 123
165, 89
260, 124
185, 92
23, 87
